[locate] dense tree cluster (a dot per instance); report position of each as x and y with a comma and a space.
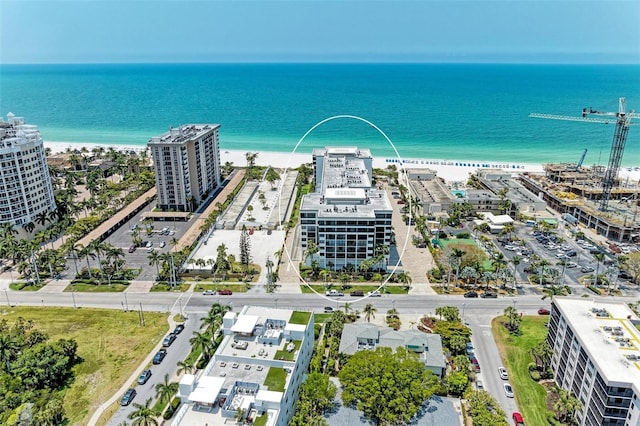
484, 410
388, 387
32, 372
317, 395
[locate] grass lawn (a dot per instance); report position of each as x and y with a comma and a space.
515, 352
167, 288
276, 379
92, 288
111, 343
449, 241
300, 317
321, 318
286, 355
19, 286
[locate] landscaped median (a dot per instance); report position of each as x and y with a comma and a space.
515, 351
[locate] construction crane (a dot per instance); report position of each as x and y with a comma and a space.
623, 121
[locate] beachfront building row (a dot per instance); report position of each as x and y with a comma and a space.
25, 184
500, 194
596, 356
187, 165
347, 218
256, 371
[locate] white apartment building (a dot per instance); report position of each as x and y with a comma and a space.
187, 165
347, 218
257, 369
596, 356
25, 183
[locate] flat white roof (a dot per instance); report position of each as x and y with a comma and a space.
269, 396
245, 324
207, 390
605, 348
295, 327
345, 193
187, 379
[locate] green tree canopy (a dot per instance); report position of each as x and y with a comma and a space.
389, 388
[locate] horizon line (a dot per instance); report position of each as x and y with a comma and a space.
324, 63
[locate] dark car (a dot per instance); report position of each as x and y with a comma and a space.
144, 377
178, 329
159, 356
471, 294
489, 295
132, 249
168, 340
225, 292
543, 311
128, 397
328, 309
357, 293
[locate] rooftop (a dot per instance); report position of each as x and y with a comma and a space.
182, 134
607, 331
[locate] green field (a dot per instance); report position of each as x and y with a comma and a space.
515, 352
111, 343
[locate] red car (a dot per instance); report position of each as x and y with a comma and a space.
517, 419
225, 292
543, 311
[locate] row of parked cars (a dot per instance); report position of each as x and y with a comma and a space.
144, 377
485, 295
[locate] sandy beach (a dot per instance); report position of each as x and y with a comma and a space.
448, 169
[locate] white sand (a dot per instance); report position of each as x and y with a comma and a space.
446, 169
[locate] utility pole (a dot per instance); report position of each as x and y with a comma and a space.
142, 323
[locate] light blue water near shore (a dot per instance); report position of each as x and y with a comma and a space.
446, 111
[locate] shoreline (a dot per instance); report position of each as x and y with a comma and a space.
448, 169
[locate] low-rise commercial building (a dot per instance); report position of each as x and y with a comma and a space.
596, 356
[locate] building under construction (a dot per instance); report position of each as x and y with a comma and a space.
577, 193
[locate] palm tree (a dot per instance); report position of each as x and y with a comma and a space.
456, 257
144, 415
87, 253
8, 349
166, 389
187, 366
405, 279
369, 312
154, 259
599, 257
541, 264
201, 341
514, 318
41, 218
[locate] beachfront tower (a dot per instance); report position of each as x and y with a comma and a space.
347, 219
25, 183
187, 165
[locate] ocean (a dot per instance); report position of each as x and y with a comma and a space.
471, 112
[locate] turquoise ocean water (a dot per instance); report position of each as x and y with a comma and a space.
441, 111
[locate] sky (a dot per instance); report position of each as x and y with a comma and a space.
153, 31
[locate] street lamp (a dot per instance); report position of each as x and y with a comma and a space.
276, 300
7, 296
463, 306
73, 295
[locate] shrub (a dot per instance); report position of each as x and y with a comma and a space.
535, 375
594, 289
462, 235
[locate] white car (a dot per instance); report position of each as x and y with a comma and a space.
162, 244
149, 244
503, 373
508, 390
374, 294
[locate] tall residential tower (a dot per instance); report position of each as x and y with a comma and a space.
187, 165
25, 183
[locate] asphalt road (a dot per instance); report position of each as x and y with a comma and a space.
176, 352
478, 313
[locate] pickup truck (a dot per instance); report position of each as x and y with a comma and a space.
334, 293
